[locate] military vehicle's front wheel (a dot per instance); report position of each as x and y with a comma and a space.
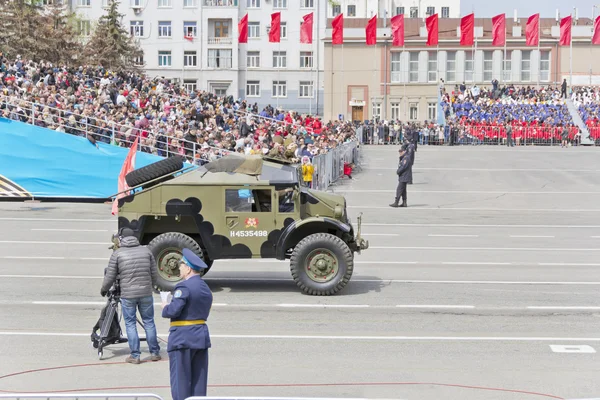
321, 264
167, 249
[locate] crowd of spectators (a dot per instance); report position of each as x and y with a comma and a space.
587, 101
117, 107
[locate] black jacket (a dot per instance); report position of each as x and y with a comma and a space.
404, 171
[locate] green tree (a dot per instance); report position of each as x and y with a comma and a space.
111, 45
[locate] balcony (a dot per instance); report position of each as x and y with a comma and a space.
220, 40
220, 3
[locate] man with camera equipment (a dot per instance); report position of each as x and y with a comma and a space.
189, 339
134, 266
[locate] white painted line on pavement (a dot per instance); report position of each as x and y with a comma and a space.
379, 234
432, 235
562, 308
559, 348
341, 190
474, 263
530, 236
51, 277
69, 230
57, 219
32, 258
48, 242
323, 305
89, 303
480, 248
432, 306
595, 237
529, 210
485, 226
570, 264
489, 169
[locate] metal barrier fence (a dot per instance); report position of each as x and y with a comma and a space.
330, 167
107, 396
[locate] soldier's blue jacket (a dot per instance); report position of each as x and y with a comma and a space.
192, 300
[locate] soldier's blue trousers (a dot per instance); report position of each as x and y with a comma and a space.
189, 372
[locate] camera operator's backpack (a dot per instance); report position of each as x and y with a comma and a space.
114, 332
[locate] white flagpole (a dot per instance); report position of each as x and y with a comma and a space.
504, 67
539, 53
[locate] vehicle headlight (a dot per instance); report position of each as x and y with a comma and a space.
338, 212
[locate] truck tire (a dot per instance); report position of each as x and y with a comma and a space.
154, 170
167, 249
321, 264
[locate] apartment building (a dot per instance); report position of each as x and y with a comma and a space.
196, 41
390, 8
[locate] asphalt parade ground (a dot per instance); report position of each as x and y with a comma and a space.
486, 287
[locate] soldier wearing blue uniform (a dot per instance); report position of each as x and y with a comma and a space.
189, 339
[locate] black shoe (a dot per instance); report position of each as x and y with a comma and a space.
395, 205
403, 204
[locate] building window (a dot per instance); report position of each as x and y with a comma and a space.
376, 110
431, 111
430, 11
221, 29
136, 3
138, 61
85, 28
190, 3
105, 3
252, 3
395, 111
306, 89
352, 11
507, 67
399, 11
396, 67
336, 10
284, 30
432, 65
307, 3
469, 66
414, 12
189, 85
254, 29
545, 66
451, 66
279, 89
306, 59
164, 28
219, 58
280, 4
445, 12
279, 59
136, 28
413, 109
190, 59
190, 29
488, 65
413, 67
164, 58
253, 89
164, 3
526, 66
84, 3
253, 59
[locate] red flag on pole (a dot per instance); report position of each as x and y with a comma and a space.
371, 31
565, 31
499, 30
243, 30
128, 166
432, 30
596, 36
398, 30
467, 30
275, 32
532, 30
190, 38
306, 30
337, 35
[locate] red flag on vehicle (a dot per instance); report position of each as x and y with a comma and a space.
565, 31
243, 30
499, 30
467, 30
337, 36
128, 166
306, 30
371, 31
432, 30
596, 37
532, 30
275, 32
398, 30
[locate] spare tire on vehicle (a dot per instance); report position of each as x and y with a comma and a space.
154, 170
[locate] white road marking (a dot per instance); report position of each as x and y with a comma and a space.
432, 235
570, 264
49, 242
562, 308
379, 234
489, 169
57, 219
480, 248
595, 237
348, 338
531, 236
474, 263
457, 191
323, 305
529, 210
431, 306
69, 230
486, 226
32, 258
559, 348
88, 303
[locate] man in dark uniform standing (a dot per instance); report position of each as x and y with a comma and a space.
189, 339
404, 173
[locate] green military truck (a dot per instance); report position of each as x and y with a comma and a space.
241, 207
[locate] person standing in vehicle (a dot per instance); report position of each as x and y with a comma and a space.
189, 339
135, 267
404, 173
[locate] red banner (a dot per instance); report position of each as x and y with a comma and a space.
532, 30
128, 166
306, 30
337, 36
499, 30
596, 37
467, 30
275, 31
371, 31
565, 31
398, 30
432, 30
243, 30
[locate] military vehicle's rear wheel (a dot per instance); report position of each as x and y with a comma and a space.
167, 249
321, 264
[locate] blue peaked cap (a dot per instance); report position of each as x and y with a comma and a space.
193, 261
